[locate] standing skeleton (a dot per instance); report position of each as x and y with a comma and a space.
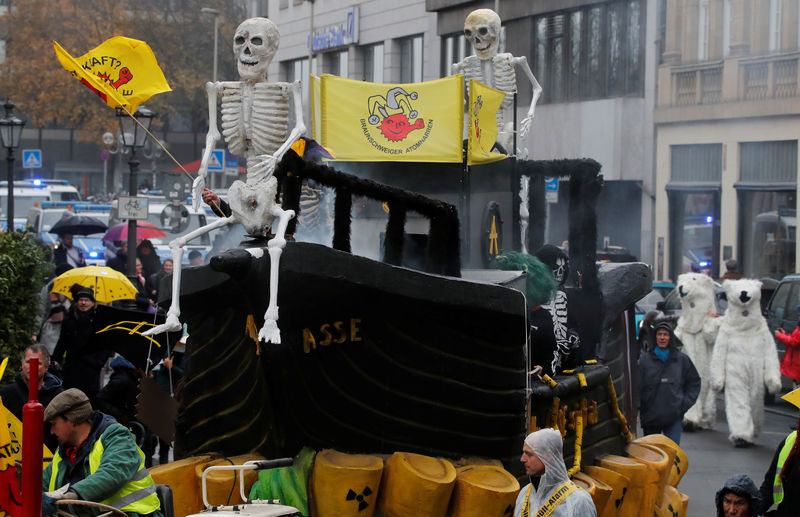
482, 29
255, 117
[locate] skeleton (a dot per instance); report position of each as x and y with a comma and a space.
482, 29
255, 117
566, 339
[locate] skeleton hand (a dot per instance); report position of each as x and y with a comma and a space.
525, 126
573, 339
266, 164
172, 324
198, 186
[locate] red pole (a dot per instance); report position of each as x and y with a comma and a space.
32, 440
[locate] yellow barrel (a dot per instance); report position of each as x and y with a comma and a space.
345, 484
638, 475
186, 496
219, 483
680, 461
599, 491
414, 485
684, 504
672, 502
483, 491
614, 480
658, 463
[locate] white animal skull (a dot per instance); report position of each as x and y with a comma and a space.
254, 45
482, 29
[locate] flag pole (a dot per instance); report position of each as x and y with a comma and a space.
162, 146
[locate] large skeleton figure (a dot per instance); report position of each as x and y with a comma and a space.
255, 118
482, 29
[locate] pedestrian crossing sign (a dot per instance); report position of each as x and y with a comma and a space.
32, 158
216, 162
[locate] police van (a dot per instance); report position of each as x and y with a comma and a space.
30, 193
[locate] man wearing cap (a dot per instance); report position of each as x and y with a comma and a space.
15, 395
669, 385
81, 366
97, 457
550, 490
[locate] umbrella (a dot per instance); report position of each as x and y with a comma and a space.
78, 225
108, 284
144, 230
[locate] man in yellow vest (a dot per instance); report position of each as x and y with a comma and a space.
97, 458
550, 493
781, 485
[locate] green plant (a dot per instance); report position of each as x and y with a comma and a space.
22, 274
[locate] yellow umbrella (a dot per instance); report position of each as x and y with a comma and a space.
108, 284
793, 397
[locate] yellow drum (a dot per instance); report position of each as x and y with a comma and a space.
180, 475
345, 484
219, 482
658, 463
483, 491
672, 502
599, 491
638, 475
680, 461
414, 485
616, 482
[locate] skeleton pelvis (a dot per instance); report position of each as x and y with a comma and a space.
251, 204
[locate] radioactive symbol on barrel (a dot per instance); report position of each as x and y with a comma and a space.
618, 502
353, 496
678, 464
509, 510
674, 513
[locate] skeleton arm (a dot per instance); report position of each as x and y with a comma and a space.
537, 92
456, 68
211, 140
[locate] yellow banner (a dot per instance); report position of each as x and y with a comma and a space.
483, 105
122, 71
419, 122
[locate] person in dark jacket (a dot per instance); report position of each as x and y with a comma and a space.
781, 485
669, 385
151, 264
738, 497
154, 281
80, 365
120, 260
118, 397
16, 395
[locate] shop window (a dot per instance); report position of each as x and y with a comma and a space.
455, 48
411, 60
373, 63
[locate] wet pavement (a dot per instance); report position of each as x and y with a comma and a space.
713, 459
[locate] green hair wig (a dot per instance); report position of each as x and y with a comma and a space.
540, 284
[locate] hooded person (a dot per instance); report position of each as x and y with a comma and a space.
550, 487
669, 385
738, 497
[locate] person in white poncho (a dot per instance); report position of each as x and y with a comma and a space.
550, 493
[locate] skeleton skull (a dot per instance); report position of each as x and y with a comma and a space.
482, 29
560, 270
254, 45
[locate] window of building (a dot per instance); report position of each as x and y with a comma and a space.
335, 63
297, 69
726, 27
411, 60
591, 52
373, 63
775, 24
455, 48
694, 208
767, 208
702, 30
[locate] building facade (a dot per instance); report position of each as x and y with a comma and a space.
726, 137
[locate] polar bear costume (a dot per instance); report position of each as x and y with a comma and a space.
697, 329
745, 359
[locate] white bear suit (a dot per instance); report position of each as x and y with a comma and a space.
697, 329
745, 359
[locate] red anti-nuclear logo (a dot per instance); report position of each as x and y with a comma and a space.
393, 114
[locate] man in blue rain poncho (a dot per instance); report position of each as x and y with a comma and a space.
550, 493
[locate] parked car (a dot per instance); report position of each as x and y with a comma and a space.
671, 306
781, 312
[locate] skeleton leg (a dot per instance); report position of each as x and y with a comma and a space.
173, 323
270, 332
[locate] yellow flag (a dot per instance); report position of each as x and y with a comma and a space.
122, 71
483, 105
419, 122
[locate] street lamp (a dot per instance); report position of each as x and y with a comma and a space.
10, 133
215, 14
132, 137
